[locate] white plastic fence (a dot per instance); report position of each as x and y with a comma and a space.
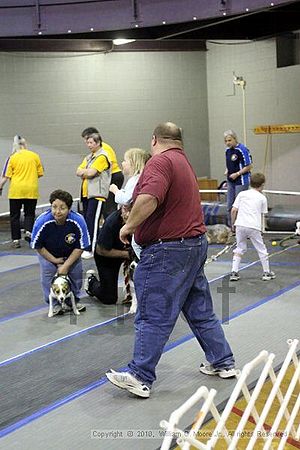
40, 208
261, 431
44, 207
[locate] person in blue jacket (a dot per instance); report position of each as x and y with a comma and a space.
60, 235
238, 166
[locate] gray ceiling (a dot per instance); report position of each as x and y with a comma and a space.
163, 20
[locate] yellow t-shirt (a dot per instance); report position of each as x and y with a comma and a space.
111, 157
24, 168
99, 164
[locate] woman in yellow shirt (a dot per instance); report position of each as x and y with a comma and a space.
95, 172
22, 169
117, 176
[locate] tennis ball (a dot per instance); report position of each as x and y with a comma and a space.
274, 243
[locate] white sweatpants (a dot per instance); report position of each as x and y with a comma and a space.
242, 234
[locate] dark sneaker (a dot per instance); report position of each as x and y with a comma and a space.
234, 276
57, 310
225, 372
90, 274
15, 243
27, 236
268, 276
125, 380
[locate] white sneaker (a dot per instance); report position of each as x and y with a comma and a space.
225, 372
15, 243
125, 380
86, 284
87, 255
234, 276
268, 276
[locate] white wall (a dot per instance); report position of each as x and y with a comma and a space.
272, 97
51, 98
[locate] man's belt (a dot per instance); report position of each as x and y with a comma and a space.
173, 239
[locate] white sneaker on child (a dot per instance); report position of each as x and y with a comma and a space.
268, 276
234, 276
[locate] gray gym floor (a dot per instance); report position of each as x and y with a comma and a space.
53, 390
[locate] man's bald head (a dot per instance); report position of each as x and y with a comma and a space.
168, 131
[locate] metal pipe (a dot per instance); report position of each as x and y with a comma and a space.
135, 10
38, 13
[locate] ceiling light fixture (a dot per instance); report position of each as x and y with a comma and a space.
69, 31
194, 18
164, 22
122, 41
91, 29
247, 9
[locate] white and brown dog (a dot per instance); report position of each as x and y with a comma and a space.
60, 291
128, 287
133, 306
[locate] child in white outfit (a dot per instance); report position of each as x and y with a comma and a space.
132, 165
246, 217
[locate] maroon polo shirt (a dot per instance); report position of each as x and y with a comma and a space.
170, 178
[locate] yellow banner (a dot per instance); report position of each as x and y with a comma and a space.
277, 129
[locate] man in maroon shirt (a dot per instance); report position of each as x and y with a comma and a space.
167, 221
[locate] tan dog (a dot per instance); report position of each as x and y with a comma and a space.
218, 234
61, 291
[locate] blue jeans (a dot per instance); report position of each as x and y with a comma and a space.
232, 191
48, 270
169, 279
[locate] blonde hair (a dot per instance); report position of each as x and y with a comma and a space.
18, 143
137, 158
